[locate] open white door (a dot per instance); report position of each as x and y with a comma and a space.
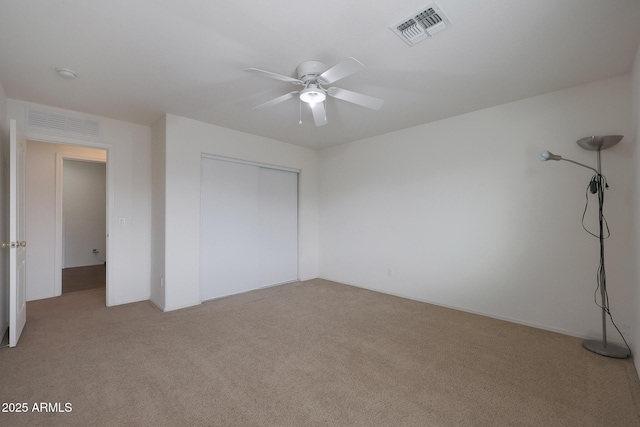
17, 251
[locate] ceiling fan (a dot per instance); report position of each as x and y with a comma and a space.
314, 75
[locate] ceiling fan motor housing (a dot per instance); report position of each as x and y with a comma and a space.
310, 70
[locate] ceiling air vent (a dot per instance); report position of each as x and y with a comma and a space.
55, 121
422, 24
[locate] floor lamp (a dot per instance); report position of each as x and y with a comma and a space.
597, 144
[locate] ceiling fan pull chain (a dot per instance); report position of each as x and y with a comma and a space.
300, 105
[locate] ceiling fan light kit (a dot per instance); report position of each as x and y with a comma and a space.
313, 75
313, 94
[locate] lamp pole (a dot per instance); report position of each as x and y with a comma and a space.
598, 143
603, 347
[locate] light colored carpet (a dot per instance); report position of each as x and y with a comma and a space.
315, 353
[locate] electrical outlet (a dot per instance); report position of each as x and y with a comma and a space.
95, 251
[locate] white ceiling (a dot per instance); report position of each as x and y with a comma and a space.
139, 59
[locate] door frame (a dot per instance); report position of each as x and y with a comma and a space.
59, 237
32, 135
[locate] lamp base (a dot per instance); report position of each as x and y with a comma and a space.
609, 350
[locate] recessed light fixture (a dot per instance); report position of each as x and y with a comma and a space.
66, 73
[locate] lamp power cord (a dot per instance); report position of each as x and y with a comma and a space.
597, 185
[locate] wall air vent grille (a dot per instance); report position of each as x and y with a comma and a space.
57, 122
421, 25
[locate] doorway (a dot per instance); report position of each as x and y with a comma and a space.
84, 221
44, 214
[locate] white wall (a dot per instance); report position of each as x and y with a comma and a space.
129, 179
462, 213
636, 196
41, 212
158, 172
4, 209
158, 156
84, 212
186, 140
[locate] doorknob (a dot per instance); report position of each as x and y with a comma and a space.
13, 244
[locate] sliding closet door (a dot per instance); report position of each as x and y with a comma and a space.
278, 226
229, 241
249, 227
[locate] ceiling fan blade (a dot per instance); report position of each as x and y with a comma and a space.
319, 114
341, 70
274, 76
277, 100
356, 98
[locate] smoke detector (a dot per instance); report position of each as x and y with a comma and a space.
66, 73
422, 24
